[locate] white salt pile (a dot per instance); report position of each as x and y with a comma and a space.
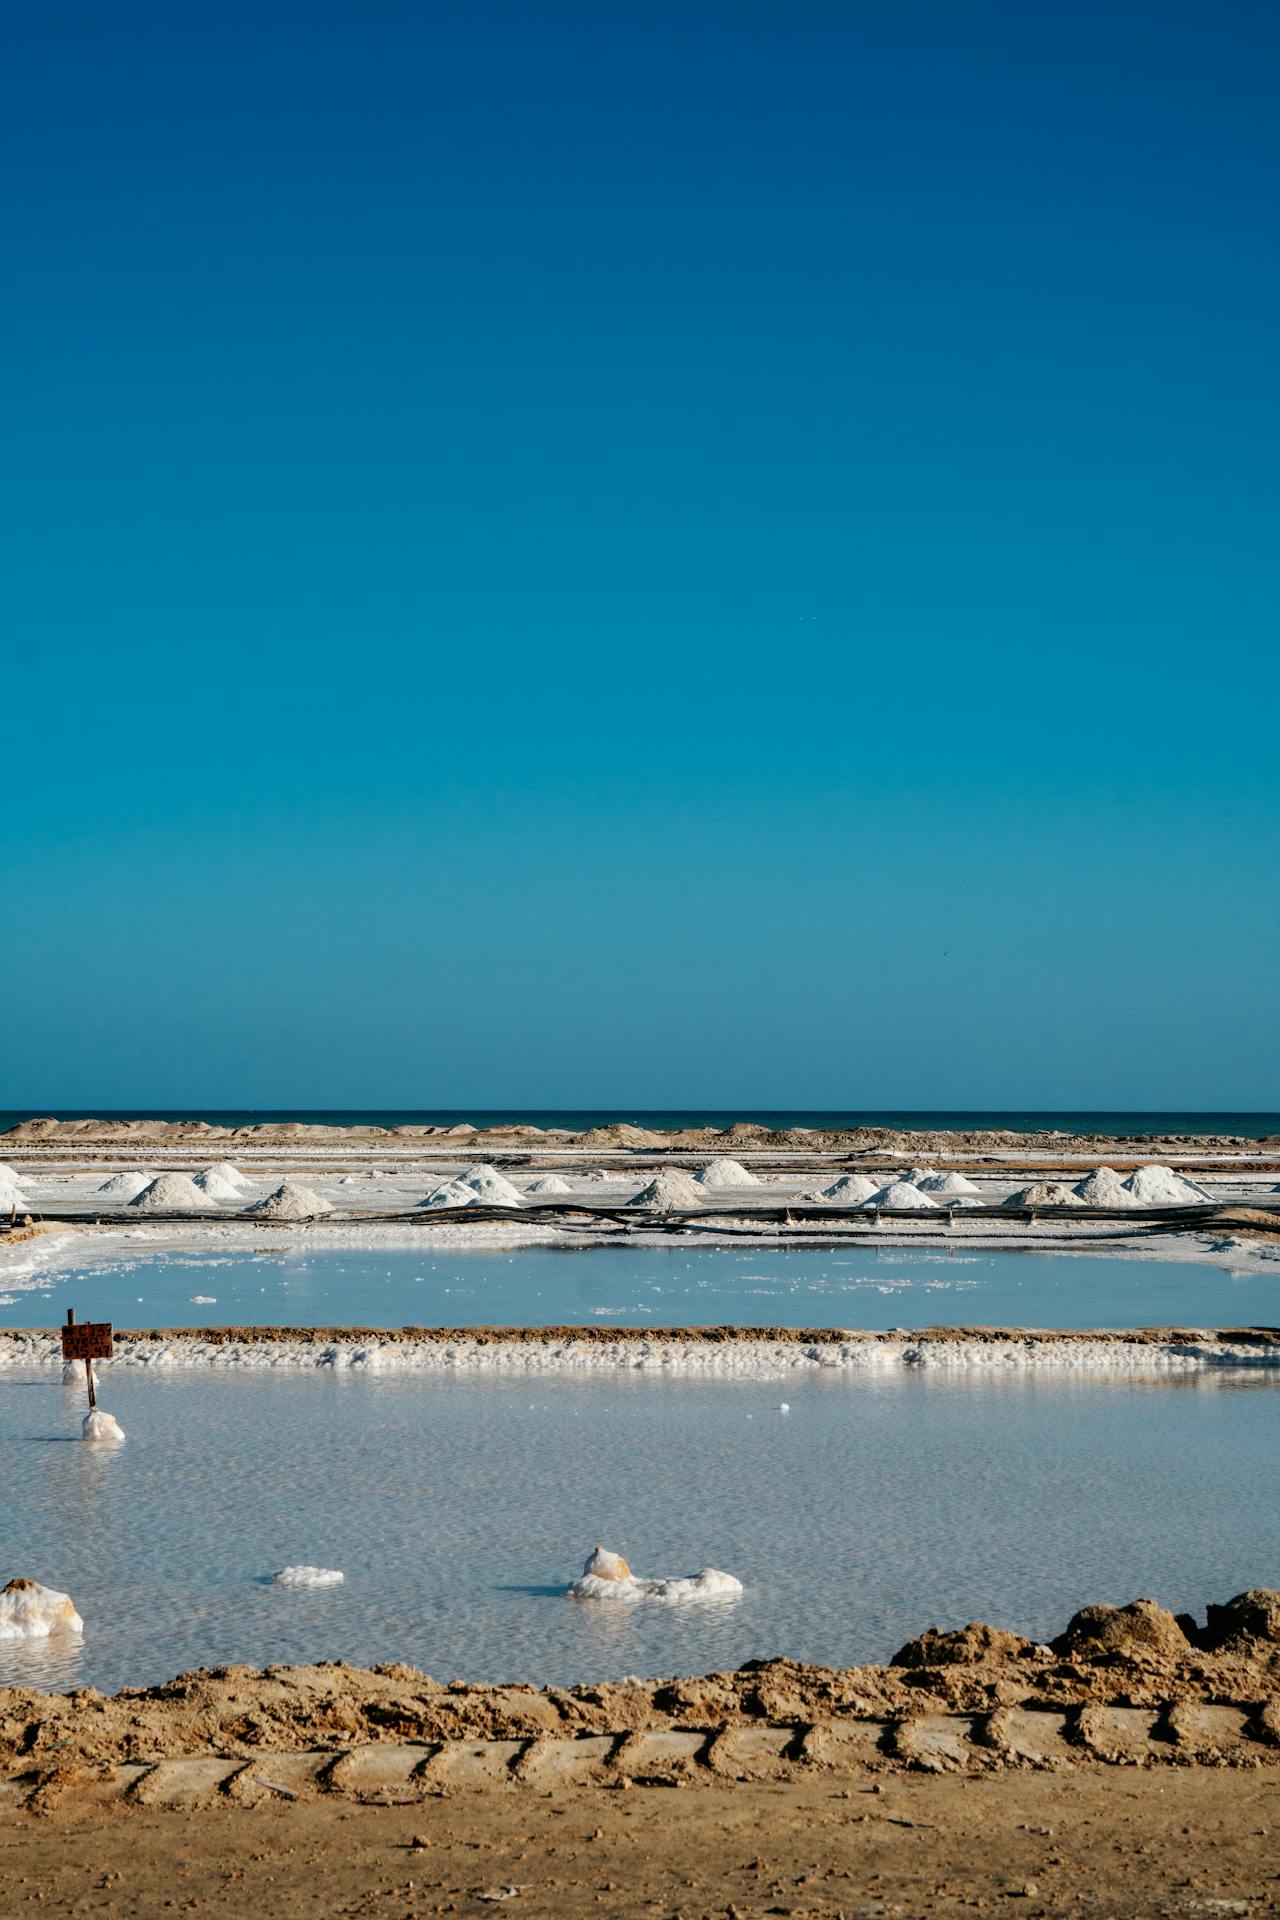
670, 1191
902, 1195
1104, 1188
607, 1576
918, 1175
29, 1611
948, 1183
221, 1182
102, 1429
1044, 1193
11, 1195
73, 1374
290, 1202
849, 1191
171, 1193
492, 1187
725, 1173
1161, 1187
452, 1194
550, 1183
307, 1577
127, 1185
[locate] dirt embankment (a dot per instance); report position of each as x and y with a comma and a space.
1134, 1656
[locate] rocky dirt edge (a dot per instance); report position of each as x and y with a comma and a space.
1139, 1656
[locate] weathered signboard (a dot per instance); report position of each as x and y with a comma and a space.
91, 1340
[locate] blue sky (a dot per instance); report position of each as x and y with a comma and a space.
666, 555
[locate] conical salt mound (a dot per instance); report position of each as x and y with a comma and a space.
551, 1183
1162, 1187
171, 1193
214, 1184
901, 1196
850, 1190
290, 1202
948, 1183
1104, 1188
670, 1191
1044, 1193
452, 1194
492, 1187
127, 1185
725, 1173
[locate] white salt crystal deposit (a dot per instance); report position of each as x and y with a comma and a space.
918, 1175
220, 1183
607, 1576
11, 1195
1104, 1188
29, 1611
725, 1173
1156, 1186
900, 1194
290, 1202
850, 1190
670, 1191
73, 1374
549, 1184
948, 1183
102, 1429
454, 1193
127, 1185
492, 1187
171, 1193
308, 1577
1044, 1193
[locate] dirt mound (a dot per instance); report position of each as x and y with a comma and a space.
1250, 1620
1142, 1630
968, 1646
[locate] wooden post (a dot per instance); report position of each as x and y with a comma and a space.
88, 1364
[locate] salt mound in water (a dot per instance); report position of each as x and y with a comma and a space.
1044, 1193
1162, 1187
607, 1576
171, 1193
214, 1184
849, 1191
221, 1181
102, 1429
290, 1202
452, 1194
307, 1577
29, 1611
1104, 1188
900, 1194
725, 1173
492, 1187
670, 1191
550, 1183
129, 1184
948, 1183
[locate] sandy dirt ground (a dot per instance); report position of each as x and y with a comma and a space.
1106, 1842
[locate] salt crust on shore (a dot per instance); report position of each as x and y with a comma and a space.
729, 1359
29, 1611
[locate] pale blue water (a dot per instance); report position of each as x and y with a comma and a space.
459, 1507
675, 1285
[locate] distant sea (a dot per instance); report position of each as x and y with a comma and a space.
1253, 1126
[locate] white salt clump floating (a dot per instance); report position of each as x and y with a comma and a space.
607, 1576
218, 1183
452, 1194
127, 1185
900, 1194
670, 1192
308, 1577
1044, 1193
29, 1611
725, 1173
550, 1183
948, 1183
491, 1186
784, 1406
170, 1193
1162, 1187
290, 1202
204, 1299
102, 1429
1105, 1188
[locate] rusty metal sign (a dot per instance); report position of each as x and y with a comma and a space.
90, 1340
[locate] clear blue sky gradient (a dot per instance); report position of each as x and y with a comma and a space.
670, 554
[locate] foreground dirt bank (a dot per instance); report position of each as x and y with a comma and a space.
1197, 1842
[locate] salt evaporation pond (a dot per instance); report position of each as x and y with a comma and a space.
673, 1286
458, 1508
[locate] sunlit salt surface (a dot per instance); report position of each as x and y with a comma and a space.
677, 1285
459, 1509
